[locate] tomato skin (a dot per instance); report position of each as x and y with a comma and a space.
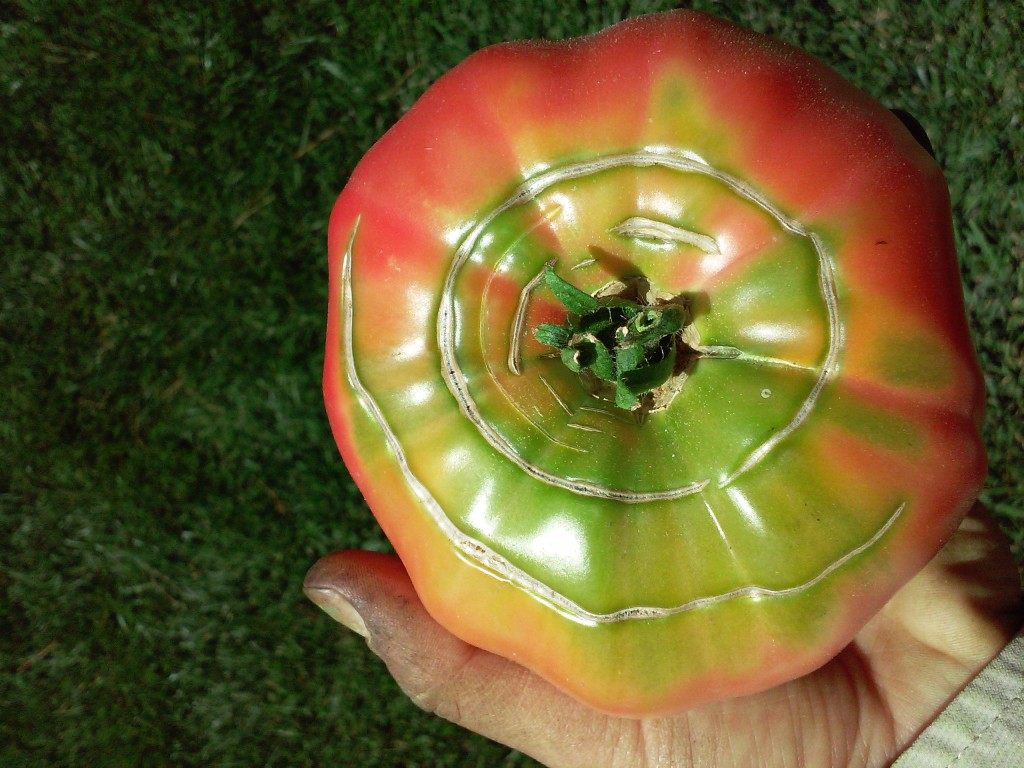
742, 536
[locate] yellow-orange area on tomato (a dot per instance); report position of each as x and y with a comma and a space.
823, 440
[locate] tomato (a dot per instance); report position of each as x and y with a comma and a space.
731, 523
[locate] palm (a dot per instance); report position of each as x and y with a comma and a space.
861, 709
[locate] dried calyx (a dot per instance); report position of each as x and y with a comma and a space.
629, 343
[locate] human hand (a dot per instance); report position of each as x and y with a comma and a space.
862, 708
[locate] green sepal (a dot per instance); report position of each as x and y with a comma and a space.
572, 298
650, 326
624, 398
648, 377
588, 352
569, 359
553, 335
629, 358
604, 363
601, 320
629, 308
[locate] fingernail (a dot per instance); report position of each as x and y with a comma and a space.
338, 608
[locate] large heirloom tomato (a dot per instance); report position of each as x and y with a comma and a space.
648, 352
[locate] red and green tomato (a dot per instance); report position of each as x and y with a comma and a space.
817, 440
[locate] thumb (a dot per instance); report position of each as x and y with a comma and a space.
370, 593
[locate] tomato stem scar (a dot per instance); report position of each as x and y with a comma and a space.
626, 341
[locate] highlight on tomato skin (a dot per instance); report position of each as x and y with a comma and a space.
648, 352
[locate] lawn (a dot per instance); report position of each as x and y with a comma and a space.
167, 474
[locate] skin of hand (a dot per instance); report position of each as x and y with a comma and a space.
863, 708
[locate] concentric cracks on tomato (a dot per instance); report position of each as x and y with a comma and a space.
747, 480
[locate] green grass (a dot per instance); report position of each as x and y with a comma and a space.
166, 470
